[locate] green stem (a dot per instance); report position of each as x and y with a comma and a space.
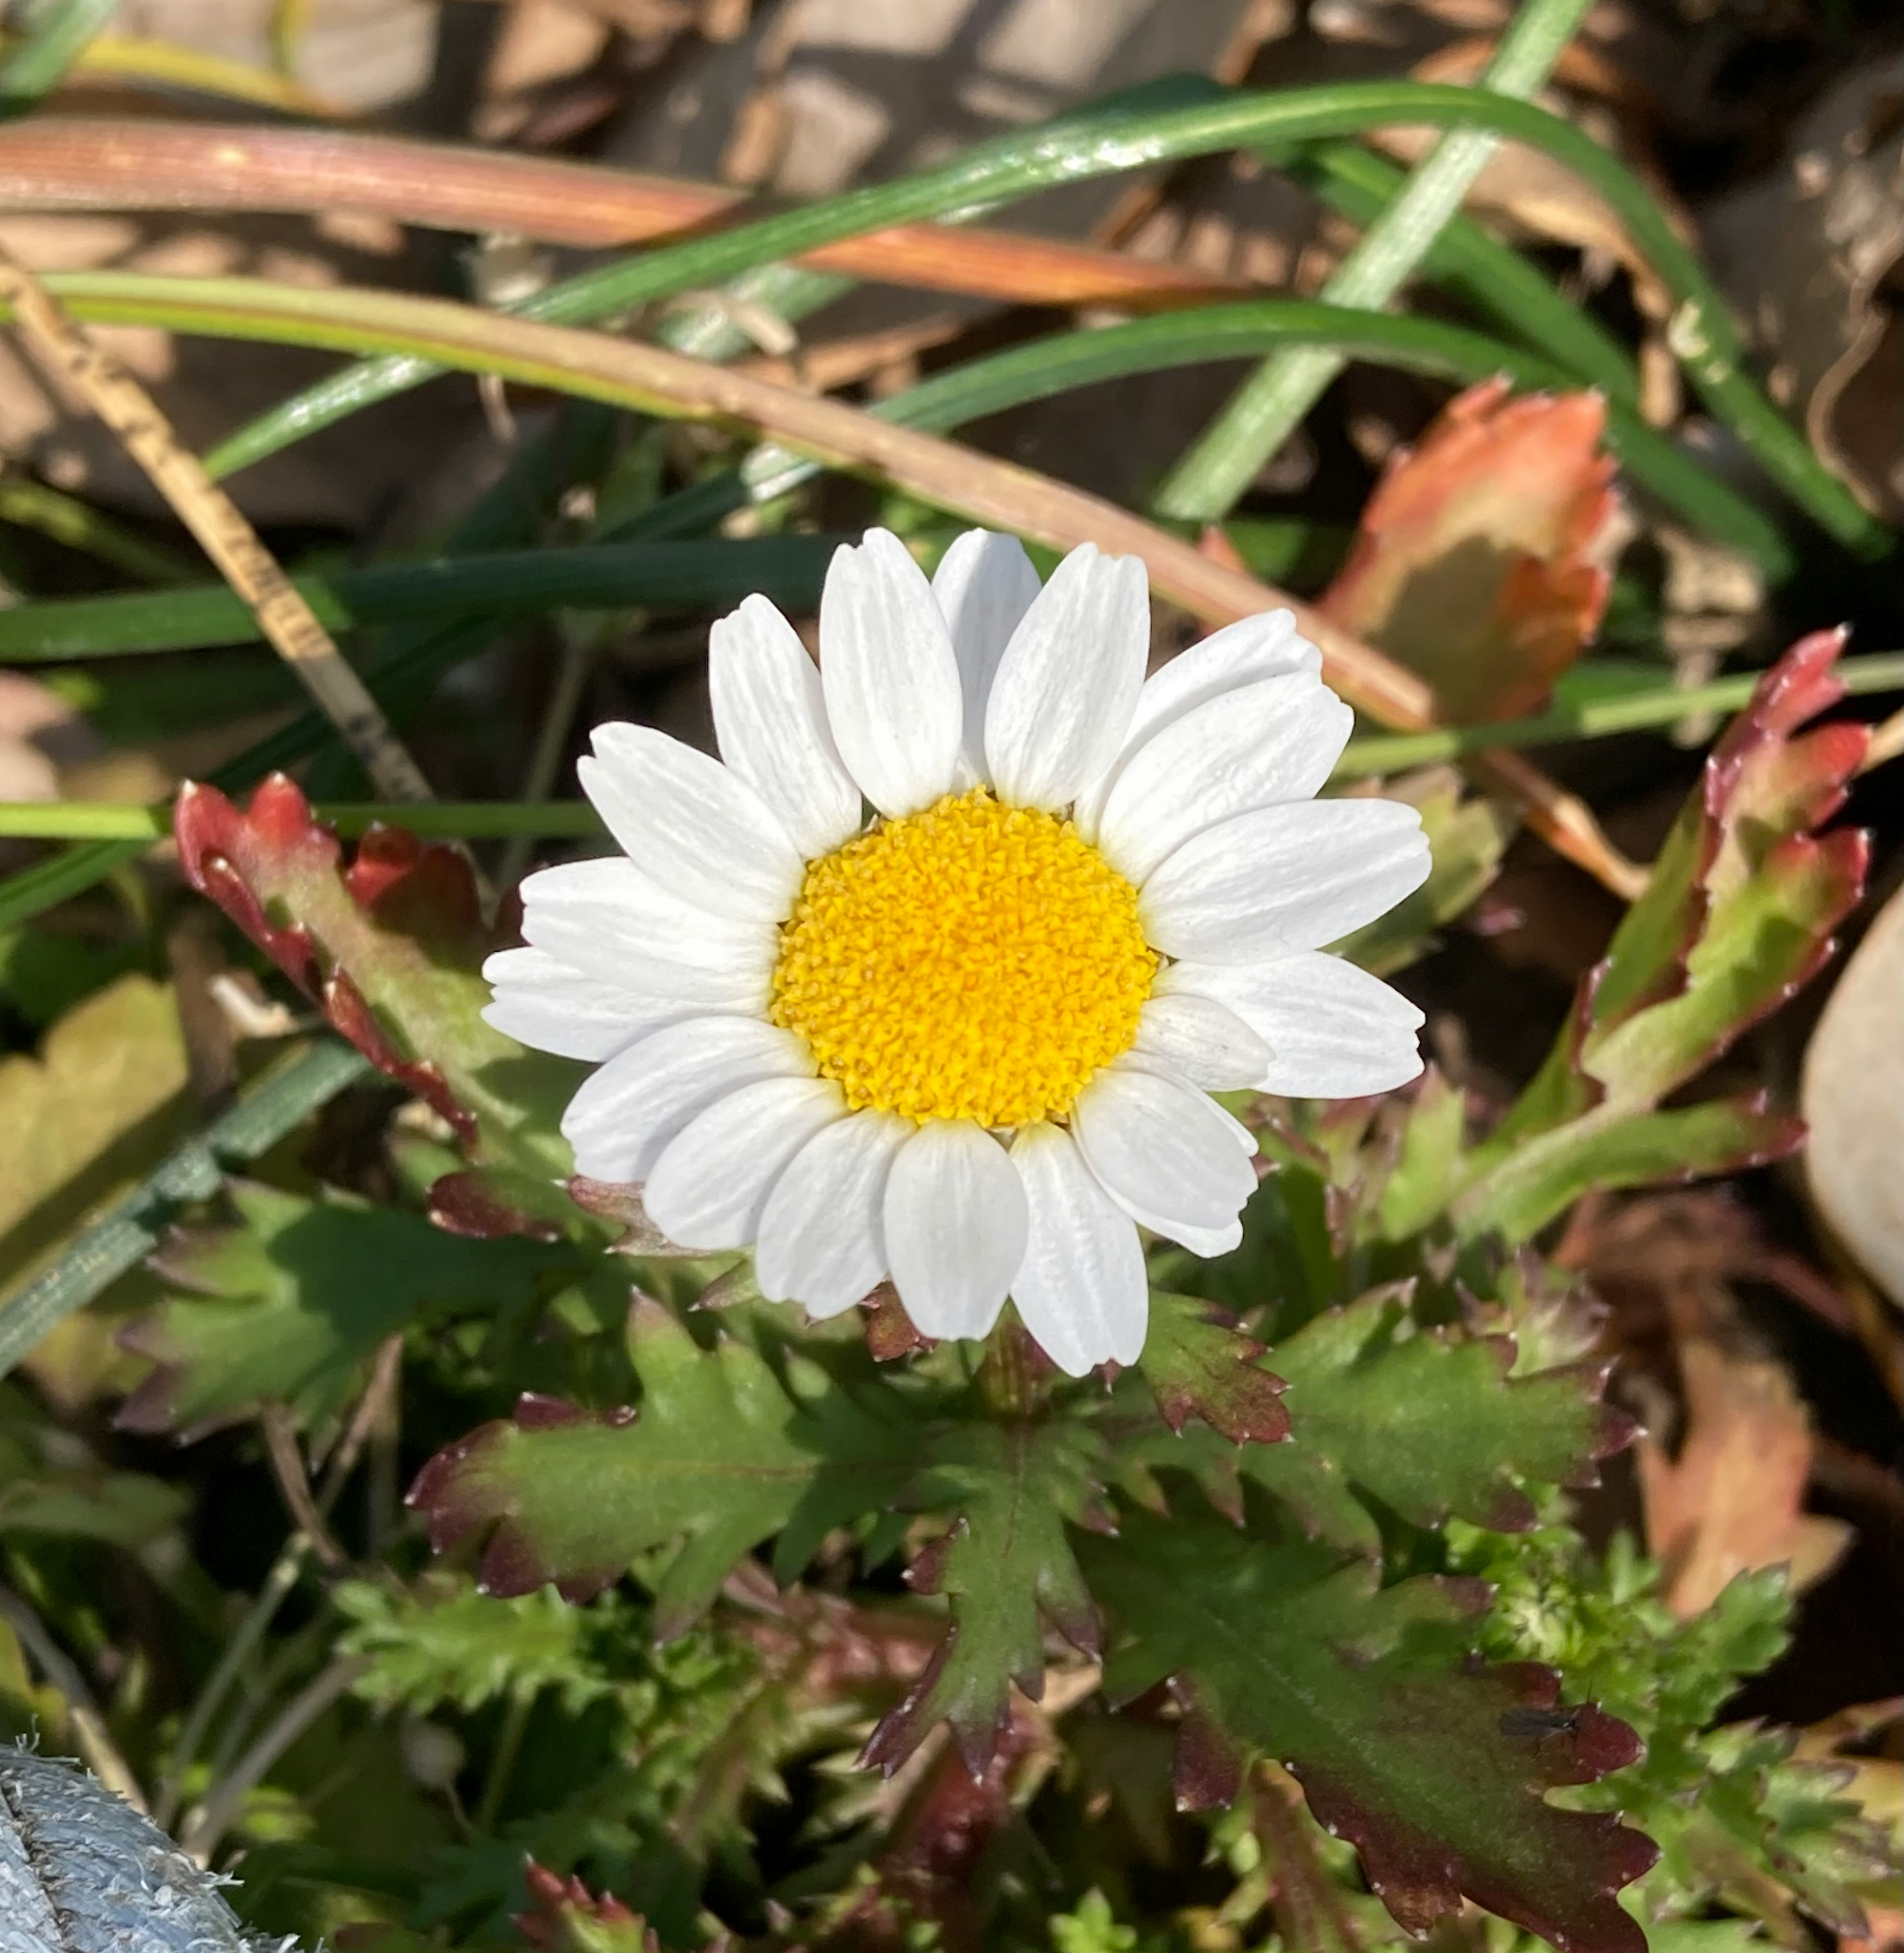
1270, 405
574, 819
1594, 719
502, 1762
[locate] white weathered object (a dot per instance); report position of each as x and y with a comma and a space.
1852, 1098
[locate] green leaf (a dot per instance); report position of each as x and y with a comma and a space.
444, 1643
1007, 1567
392, 948
1426, 1421
45, 1489
1466, 840
1435, 1774
1606, 1149
1737, 914
104, 1099
721, 1456
290, 1304
1198, 1364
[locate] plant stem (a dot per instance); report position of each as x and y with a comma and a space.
1269, 406
214, 1817
572, 820
1596, 718
502, 1762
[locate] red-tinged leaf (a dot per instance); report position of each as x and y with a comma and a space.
1738, 914
890, 1333
486, 1205
565, 1916
1435, 1771
1007, 1567
391, 946
719, 1457
1198, 1364
1477, 564
619, 1203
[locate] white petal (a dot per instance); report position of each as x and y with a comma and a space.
822, 1243
1241, 654
1082, 1292
610, 904
544, 1004
889, 676
708, 1187
1261, 745
626, 1112
1068, 683
688, 823
1213, 1048
985, 584
1333, 1030
956, 1221
770, 722
1284, 877
1167, 1154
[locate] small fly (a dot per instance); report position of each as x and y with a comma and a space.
1538, 1726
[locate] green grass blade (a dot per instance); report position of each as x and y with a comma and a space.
122, 1237
1212, 476
1109, 139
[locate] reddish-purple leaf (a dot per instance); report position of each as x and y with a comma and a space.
1436, 1770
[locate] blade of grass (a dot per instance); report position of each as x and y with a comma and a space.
28, 504
1106, 140
129, 1231
1212, 476
36, 62
1494, 282
654, 576
345, 317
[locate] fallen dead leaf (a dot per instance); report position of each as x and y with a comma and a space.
1732, 1501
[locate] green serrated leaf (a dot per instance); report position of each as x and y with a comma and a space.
720, 1457
290, 1304
1426, 1421
1007, 1567
1435, 1774
1608, 1148
444, 1643
1198, 1364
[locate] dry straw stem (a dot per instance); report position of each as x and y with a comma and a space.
67, 355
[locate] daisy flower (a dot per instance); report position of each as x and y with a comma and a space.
966, 1044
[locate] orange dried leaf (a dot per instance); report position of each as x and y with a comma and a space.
1476, 564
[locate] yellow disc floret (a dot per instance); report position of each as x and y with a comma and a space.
972, 961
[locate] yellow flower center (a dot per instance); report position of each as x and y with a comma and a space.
972, 961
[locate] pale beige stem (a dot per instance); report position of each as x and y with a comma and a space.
65, 354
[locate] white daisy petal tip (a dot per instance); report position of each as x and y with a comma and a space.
889, 675
1067, 684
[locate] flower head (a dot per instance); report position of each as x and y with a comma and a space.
966, 1044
